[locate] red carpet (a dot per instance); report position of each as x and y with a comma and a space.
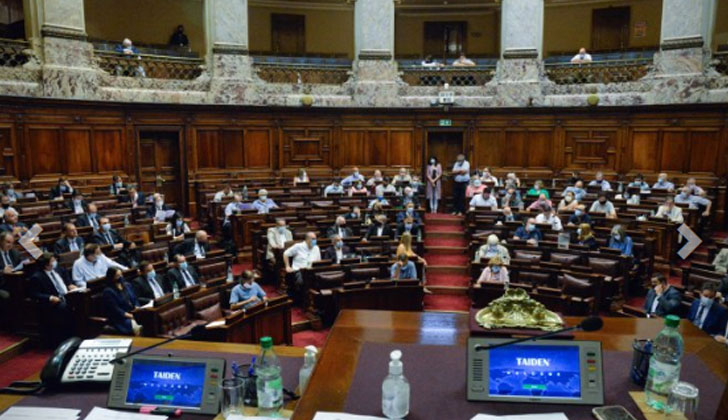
442, 228
447, 303
21, 367
297, 315
306, 338
448, 280
445, 242
446, 259
7, 340
239, 268
430, 216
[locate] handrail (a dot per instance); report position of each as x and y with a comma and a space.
720, 60
149, 65
455, 76
303, 73
12, 52
602, 71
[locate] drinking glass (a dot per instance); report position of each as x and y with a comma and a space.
233, 392
682, 403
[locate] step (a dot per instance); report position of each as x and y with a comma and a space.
14, 350
448, 290
447, 303
445, 249
444, 235
444, 222
446, 242
447, 269
301, 326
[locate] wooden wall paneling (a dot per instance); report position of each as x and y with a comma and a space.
674, 150
557, 156
401, 148
43, 150
704, 144
259, 148
352, 147
622, 148
539, 149
208, 149
324, 137
645, 150
488, 148
515, 155
109, 149
590, 148
377, 145
7, 148
233, 148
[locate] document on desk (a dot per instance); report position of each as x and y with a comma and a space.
545, 416
32, 413
99, 413
321, 415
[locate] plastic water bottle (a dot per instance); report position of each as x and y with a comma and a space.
395, 389
664, 372
309, 361
269, 383
175, 290
230, 276
245, 192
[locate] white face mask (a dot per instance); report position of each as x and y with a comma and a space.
432, 161
263, 197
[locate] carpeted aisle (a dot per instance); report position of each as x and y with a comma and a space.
447, 262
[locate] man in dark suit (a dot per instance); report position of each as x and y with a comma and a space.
90, 218
662, 299
148, 286
77, 204
409, 211
9, 256
49, 286
379, 228
337, 250
409, 225
707, 314
70, 241
197, 246
182, 274
105, 235
134, 197
339, 228
157, 205
12, 224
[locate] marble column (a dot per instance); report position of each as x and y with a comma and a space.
685, 38
231, 66
68, 69
375, 77
520, 68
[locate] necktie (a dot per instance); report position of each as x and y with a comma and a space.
58, 283
698, 322
189, 281
109, 240
155, 288
93, 222
72, 245
6, 259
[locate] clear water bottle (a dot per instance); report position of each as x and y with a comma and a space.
175, 290
309, 361
245, 192
395, 389
269, 383
664, 372
230, 277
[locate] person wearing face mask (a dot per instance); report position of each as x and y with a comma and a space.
177, 227
604, 206
620, 240
580, 216
670, 211
542, 200
408, 225
512, 181
48, 287
225, 192
277, 236
299, 256
105, 235
198, 246
409, 197
484, 199
247, 292
403, 269
334, 189
639, 182
707, 314
379, 198
493, 248
585, 237
77, 204
461, 171
351, 179
182, 273
156, 205
135, 197
129, 255
599, 181
409, 211
693, 201
487, 178
119, 301
538, 190
264, 204
403, 177
512, 198
506, 216
495, 273
389, 188
339, 228
12, 224
92, 264
353, 214
662, 183
662, 299
358, 188
148, 285
337, 251
117, 185
529, 232
577, 190
301, 177
376, 179
70, 241
11, 192
568, 203
548, 216
692, 185
476, 187
5, 205
379, 228
433, 190
61, 188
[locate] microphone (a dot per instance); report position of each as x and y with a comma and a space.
593, 323
197, 332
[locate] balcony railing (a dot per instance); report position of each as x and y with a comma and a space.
152, 66
609, 71
455, 76
721, 62
12, 53
303, 73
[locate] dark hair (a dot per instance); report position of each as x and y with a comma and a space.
176, 216
601, 194
45, 259
90, 249
434, 157
710, 286
145, 263
176, 257
402, 257
111, 275
661, 278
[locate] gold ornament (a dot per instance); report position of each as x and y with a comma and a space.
515, 309
307, 100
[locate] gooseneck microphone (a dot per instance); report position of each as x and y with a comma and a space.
593, 323
197, 332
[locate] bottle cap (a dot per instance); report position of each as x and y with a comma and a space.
311, 350
672, 321
266, 342
395, 364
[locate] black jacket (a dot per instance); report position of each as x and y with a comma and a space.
14, 259
69, 205
62, 245
101, 239
334, 230
84, 220
187, 247
144, 291
152, 209
330, 252
415, 231
372, 231
174, 276
42, 287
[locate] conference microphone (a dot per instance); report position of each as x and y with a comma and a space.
593, 323
197, 332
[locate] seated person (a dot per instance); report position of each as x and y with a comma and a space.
693, 187
376, 179
602, 205
582, 57
379, 199
639, 182
476, 187
339, 228
402, 177
119, 301
463, 61
334, 188
580, 216
225, 192
408, 225
105, 235
507, 215
358, 188
198, 246
49, 286
693, 201
235, 207
12, 224
156, 206
177, 227
409, 211
585, 237
599, 181
62, 187
670, 211
620, 240
409, 197
662, 183
577, 189
512, 198
405, 247
549, 216
10, 259
529, 232
134, 197
338, 250
484, 199
277, 236
264, 204
77, 204
92, 264
512, 181
376, 210
117, 185
568, 203
720, 262
129, 50
389, 188
129, 256
494, 273
662, 299
493, 248
487, 178
542, 200
538, 190
69, 241
5, 204
10, 191
148, 286
351, 179
301, 177
403, 269
707, 314
379, 228
353, 214
430, 62
181, 274
247, 292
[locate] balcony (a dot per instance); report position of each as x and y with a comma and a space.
13, 52
608, 71
149, 65
720, 60
303, 70
455, 76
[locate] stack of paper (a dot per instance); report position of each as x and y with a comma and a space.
34, 413
99, 413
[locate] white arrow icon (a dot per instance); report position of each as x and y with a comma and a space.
694, 241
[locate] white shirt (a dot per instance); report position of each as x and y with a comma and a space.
703, 315
78, 208
554, 221
581, 57
480, 201
674, 215
220, 195
606, 186
198, 250
464, 166
303, 256
84, 270
655, 302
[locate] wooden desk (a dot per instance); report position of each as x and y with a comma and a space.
329, 385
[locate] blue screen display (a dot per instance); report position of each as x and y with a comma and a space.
175, 384
535, 371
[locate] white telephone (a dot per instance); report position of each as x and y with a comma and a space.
90, 363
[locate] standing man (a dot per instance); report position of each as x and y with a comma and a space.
461, 171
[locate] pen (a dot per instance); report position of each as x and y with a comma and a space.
167, 411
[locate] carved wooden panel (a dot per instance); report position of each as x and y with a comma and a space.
258, 148
645, 151
109, 150
77, 151
7, 163
208, 149
44, 147
591, 149
306, 147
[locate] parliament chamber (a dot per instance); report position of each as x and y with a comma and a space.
362, 177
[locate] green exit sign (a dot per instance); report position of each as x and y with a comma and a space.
445, 123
